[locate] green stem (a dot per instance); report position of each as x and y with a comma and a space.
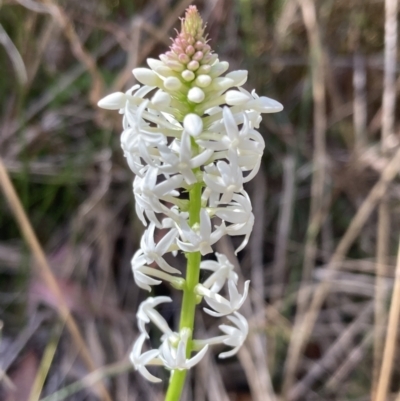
177, 380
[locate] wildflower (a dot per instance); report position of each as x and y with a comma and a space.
233, 337
174, 357
222, 271
189, 135
199, 238
221, 305
152, 252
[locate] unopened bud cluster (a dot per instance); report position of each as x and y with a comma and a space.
186, 125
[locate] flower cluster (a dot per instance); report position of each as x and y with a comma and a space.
189, 129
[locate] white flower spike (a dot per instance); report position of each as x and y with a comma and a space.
190, 137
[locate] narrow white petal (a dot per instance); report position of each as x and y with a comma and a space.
214, 314
147, 375
201, 159
166, 241
197, 358
205, 224
228, 354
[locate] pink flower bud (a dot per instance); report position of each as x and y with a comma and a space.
193, 65
184, 58
190, 50
175, 48
204, 69
197, 56
199, 45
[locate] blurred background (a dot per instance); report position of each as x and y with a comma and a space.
322, 257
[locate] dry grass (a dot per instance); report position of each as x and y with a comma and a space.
324, 308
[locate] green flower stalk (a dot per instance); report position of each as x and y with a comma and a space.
181, 135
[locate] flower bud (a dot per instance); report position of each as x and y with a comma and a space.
165, 71
183, 58
199, 45
175, 65
114, 101
188, 76
203, 81
172, 83
196, 95
193, 65
210, 59
190, 50
193, 124
198, 56
204, 69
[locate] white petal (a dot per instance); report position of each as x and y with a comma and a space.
161, 99
166, 241
222, 84
201, 159
205, 224
219, 68
147, 375
209, 265
230, 123
197, 358
144, 281
228, 354
234, 98
165, 71
240, 77
147, 77
268, 105
154, 63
